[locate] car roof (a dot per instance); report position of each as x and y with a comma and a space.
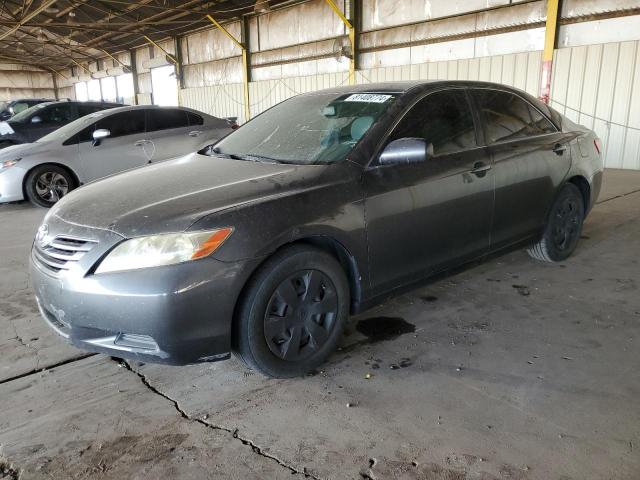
129, 108
406, 86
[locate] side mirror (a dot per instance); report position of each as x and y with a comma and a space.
99, 135
406, 150
36, 119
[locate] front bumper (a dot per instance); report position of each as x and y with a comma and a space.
11, 181
175, 315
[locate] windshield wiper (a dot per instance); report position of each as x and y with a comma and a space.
249, 157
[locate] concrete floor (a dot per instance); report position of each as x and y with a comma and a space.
514, 370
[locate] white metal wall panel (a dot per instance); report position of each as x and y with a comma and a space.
599, 86
217, 100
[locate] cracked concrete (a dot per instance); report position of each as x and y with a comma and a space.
488, 383
234, 432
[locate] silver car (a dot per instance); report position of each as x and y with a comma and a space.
102, 144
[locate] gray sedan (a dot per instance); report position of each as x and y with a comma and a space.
102, 144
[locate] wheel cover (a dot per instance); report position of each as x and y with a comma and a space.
51, 187
300, 315
566, 224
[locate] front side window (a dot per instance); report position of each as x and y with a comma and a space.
508, 117
166, 119
310, 129
443, 119
20, 107
119, 125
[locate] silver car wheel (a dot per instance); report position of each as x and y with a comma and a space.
51, 186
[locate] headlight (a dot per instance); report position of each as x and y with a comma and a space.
9, 163
166, 249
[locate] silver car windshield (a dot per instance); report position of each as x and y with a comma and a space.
308, 129
70, 129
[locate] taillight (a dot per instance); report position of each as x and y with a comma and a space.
235, 126
596, 143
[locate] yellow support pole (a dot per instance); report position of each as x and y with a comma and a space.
245, 66
352, 40
169, 56
81, 66
550, 35
59, 73
113, 58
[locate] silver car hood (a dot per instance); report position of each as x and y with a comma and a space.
25, 149
171, 196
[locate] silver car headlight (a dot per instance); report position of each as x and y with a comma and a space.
161, 250
9, 163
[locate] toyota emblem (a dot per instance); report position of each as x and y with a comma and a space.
41, 236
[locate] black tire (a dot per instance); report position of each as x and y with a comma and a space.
277, 329
46, 184
563, 228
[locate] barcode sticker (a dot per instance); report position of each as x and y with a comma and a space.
368, 97
5, 129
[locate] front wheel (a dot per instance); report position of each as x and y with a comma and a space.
292, 314
46, 184
563, 228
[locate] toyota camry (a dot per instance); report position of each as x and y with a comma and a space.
263, 243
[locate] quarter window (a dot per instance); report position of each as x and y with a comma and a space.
508, 117
166, 119
443, 119
194, 119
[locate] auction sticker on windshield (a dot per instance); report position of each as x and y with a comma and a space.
5, 129
368, 97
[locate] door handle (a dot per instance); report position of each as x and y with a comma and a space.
141, 143
480, 169
195, 133
560, 149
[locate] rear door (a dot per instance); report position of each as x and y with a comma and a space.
423, 217
48, 119
172, 132
530, 158
118, 152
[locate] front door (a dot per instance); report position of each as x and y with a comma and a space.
423, 217
122, 150
530, 158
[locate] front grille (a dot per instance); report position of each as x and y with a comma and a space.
61, 252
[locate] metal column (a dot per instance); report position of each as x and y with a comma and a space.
550, 41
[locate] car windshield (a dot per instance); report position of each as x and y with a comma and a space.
24, 115
310, 129
70, 129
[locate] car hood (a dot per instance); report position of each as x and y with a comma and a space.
171, 196
25, 150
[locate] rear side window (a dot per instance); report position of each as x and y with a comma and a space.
56, 114
194, 119
508, 117
443, 119
166, 119
120, 125
88, 109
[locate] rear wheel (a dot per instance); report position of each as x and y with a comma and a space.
563, 228
46, 184
293, 313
